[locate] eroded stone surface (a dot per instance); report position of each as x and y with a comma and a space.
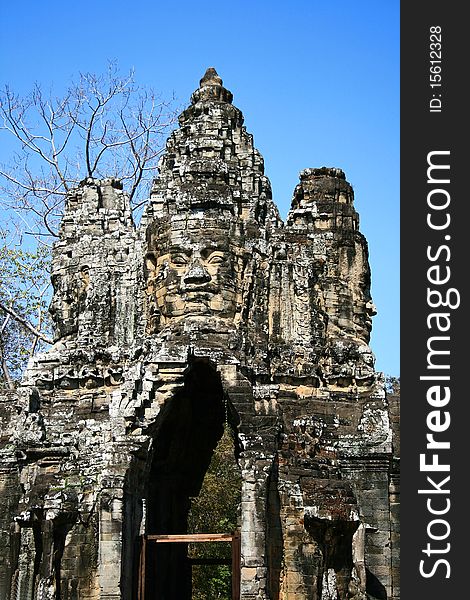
211, 308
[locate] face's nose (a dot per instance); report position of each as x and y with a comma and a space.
371, 308
196, 274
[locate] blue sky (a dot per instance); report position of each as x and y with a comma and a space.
318, 83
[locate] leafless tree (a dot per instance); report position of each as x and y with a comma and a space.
103, 126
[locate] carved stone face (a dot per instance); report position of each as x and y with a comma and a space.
195, 276
69, 299
64, 306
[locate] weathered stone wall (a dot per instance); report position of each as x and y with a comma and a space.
211, 309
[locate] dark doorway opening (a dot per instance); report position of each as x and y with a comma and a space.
148, 542
188, 430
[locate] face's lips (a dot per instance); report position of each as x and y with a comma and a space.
199, 290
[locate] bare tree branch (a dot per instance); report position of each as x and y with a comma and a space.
25, 323
5, 369
101, 126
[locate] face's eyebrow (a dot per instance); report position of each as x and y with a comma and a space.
213, 248
174, 249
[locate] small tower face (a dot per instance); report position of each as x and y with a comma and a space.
210, 312
93, 266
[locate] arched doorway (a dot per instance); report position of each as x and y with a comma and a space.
188, 430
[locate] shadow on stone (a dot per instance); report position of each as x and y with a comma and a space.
375, 590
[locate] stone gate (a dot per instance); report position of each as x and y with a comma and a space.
210, 305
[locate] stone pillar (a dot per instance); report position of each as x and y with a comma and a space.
110, 544
253, 527
9, 495
372, 492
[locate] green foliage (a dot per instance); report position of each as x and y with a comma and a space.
212, 582
24, 288
215, 510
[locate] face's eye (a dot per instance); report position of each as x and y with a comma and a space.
150, 261
215, 258
179, 260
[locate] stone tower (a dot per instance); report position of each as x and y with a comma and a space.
211, 304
